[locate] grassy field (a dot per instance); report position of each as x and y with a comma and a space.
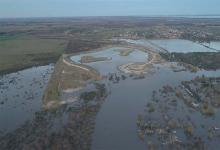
19, 52
65, 77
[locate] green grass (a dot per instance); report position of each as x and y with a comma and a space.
7, 37
126, 52
19, 52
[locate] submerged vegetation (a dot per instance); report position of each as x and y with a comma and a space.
88, 95
91, 95
177, 111
207, 110
150, 107
202, 60
73, 130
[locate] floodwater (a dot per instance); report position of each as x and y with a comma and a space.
115, 125
95, 121
116, 122
20, 96
177, 45
115, 59
214, 45
181, 46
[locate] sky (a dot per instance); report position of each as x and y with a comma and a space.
69, 8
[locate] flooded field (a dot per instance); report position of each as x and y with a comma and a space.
167, 107
116, 121
178, 45
128, 108
182, 46
213, 45
21, 95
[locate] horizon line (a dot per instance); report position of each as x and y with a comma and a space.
153, 16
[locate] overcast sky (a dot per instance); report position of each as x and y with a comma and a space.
58, 8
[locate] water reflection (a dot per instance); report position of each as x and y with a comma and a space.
69, 127
20, 96
178, 45
115, 59
105, 114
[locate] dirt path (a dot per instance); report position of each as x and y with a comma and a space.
153, 58
73, 65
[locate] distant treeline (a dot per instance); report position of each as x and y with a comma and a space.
202, 60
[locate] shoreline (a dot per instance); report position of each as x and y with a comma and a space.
17, 69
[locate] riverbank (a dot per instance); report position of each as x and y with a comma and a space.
142, 68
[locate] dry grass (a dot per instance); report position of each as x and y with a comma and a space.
66, 77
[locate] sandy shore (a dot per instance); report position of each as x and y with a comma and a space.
140, 68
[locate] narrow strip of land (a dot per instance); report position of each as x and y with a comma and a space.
74, 65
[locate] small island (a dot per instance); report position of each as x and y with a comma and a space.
89, 59
126, 52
